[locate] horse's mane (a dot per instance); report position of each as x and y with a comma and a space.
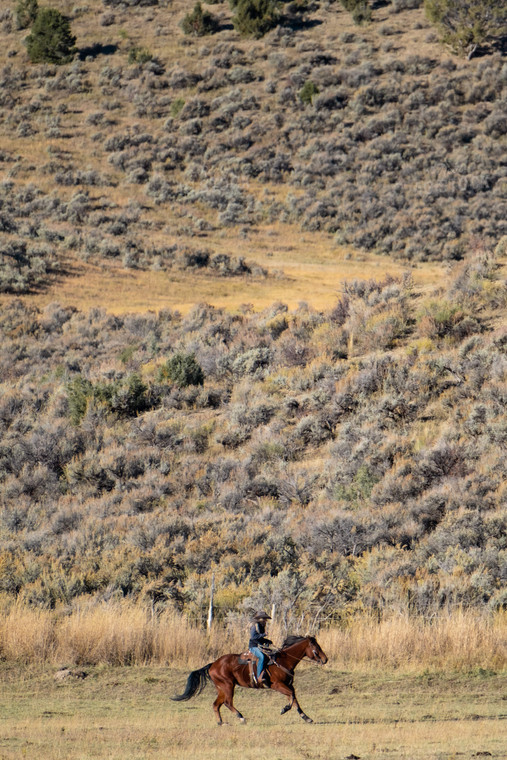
290, 640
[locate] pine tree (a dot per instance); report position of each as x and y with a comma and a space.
199, 22
254, 18
182, 369
51, 39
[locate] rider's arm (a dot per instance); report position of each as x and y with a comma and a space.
257, 637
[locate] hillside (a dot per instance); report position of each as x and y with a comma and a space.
328, 462
250, 336
202, 162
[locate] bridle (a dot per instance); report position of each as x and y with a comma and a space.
316, 661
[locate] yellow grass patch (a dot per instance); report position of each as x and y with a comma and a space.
310, 270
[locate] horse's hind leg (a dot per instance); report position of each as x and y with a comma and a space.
229, 694
217, 704
225, 696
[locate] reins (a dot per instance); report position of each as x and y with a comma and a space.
292, 657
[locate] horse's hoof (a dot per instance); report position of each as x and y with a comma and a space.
242, 720
307, 719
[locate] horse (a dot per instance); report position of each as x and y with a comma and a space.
231, 670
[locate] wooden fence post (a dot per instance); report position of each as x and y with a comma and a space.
210, 610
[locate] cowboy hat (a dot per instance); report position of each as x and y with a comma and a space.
261, 616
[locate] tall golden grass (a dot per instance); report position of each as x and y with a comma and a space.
458, 640
125, 633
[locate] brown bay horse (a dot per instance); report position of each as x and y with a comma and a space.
230, 671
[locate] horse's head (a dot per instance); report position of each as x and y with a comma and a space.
314, 652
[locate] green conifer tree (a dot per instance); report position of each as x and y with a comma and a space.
199, 22
51, 39
254, 18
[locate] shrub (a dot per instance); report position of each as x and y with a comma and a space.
252, 361
51, 39
199, 22
182, 369
79, 391
254, 18
438, 319
26, 13
126, 399
24, 269
467, 24
307, 92
360, 10
177, 106
130, 398
139, 55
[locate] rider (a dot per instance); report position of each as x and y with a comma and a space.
257, 638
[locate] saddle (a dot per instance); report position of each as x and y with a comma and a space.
248, 658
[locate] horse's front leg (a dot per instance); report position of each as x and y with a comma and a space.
288, 691
287, 707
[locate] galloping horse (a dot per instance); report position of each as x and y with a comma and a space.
230, 671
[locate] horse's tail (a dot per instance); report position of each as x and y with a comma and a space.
196, 682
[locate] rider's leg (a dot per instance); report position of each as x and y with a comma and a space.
261, 659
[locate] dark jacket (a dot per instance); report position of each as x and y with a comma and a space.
257, 637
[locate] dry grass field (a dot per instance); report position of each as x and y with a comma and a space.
126, 714
305, 268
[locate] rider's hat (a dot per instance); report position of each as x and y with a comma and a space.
261, 616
